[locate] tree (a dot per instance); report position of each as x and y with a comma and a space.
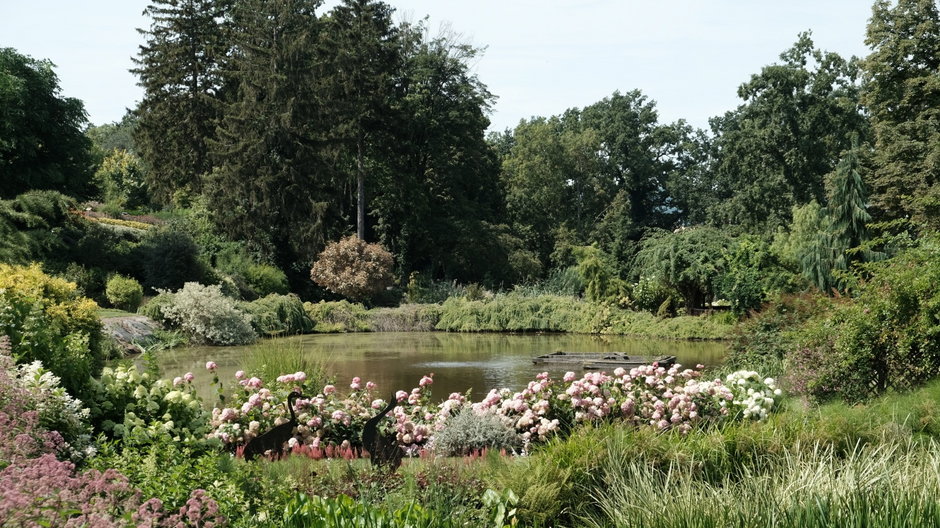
437, 199
41, 142
180, 70
902, 94
272, 187
363, 55
773, 151
691, 260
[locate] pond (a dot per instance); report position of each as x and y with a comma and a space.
459, 361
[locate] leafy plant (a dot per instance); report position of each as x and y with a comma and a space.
124, 293
278, 315
468, 431
48, 321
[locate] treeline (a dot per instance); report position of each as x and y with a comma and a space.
278, 126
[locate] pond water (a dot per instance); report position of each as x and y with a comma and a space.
459, 361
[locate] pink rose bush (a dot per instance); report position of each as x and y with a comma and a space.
671, 398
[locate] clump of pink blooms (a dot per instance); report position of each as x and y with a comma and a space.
45, 491
672, 398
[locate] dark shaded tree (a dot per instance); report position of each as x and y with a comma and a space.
438, 199
180, 70
363, 55
272, 187
41, 140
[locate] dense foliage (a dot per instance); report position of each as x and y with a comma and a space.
353, 268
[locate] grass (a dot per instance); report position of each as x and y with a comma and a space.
273, 357
104, 313
890, 484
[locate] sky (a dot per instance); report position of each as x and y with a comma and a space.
541, 56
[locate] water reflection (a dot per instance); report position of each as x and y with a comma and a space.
460, 362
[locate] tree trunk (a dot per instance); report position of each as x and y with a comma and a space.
360, 195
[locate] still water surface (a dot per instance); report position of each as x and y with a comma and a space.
459, 361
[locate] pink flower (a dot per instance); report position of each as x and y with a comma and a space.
425, 381
356, 384
329, 389
300, 376
254, 382
188, 377
239, 374
569, 376
370, 385
401, 395
211, 366
177, 381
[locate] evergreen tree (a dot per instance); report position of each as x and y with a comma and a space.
902, 94
363, 56
271, 187
181, 72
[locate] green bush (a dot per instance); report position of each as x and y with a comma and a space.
170, 258
884, 338
154, 307
337, 316
48, 321
90, 281
554, 313
124, 293
207, 316
252, 279
278, 315
467, 432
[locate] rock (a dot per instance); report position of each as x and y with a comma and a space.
128, 330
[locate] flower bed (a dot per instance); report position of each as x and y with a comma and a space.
647, 396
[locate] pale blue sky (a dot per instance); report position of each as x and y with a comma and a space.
542, 57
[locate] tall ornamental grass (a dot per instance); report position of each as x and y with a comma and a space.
892, 484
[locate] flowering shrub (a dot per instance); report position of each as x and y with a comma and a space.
654, 396
45, 491
36, 415
137, 407
208, 316
757, 397
353, 268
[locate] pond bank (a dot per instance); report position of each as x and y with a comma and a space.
516, 313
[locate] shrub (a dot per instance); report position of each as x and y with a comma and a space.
338, 316
404, 318
170, 258
154, 307
89, 281
253, 279
468, 431
48, 321
138, 408
124, 293
48, 492
208, 316
278, 315
353, 268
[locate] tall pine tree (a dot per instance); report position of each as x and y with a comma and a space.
271, 187
180, 70
363, 55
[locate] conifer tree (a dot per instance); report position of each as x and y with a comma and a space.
363, 54
180, 70
271, 187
